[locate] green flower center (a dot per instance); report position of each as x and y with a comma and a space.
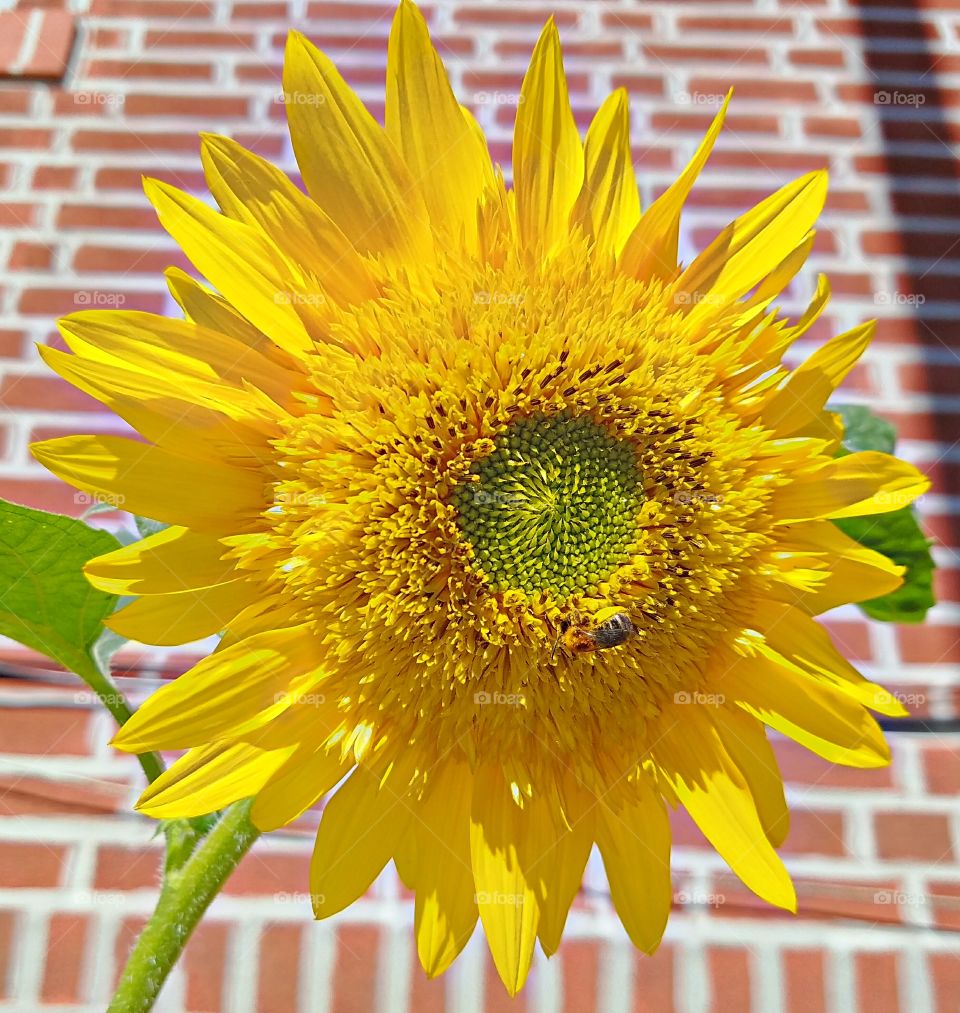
553, 507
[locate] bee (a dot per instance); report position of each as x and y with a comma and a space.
609, 627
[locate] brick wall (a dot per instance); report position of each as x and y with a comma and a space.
93, 93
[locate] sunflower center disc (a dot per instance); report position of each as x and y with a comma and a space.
553, 507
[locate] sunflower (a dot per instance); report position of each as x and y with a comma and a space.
514, 527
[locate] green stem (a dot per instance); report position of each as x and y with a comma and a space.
186, 895
114, 701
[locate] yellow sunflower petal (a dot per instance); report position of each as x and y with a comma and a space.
174, 559
742, 255
850, 571
183, 616
635, 844
801, 399
853, 486
608, 207
506, 895
446, 909
651, 250
427, 126
359, 831
745, 739
222, 692
691, 755
547, 153
305, 777
154, 483
238, 261
825, 720
563, 865
795, 639
251, 189
349, 165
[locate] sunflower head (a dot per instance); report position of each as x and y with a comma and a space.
511, 523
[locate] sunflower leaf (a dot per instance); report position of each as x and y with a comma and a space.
896, 535
45, 601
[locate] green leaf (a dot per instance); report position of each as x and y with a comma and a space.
47, 603
862, 430
896, 535
45, 600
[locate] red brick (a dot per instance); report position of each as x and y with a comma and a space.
944, 897
44, 392
13, 28
945, 972
800, 766
105, 216
759, 89
54, 177
267, 873
815, 832
56, 35
49, 302
14, 101
831, 126
427, 995
803, 981
763, 26
220, 41
730, 976
67, 939
354, 974
121, 868
206, 107
204, 962
31, 257
817, 57
735, 57
45, 731
129, 140
148, 70
28, 796
581, 973
871, 28
31, 865
181, 10
877, 987
916, 836
280, 952
17, 216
